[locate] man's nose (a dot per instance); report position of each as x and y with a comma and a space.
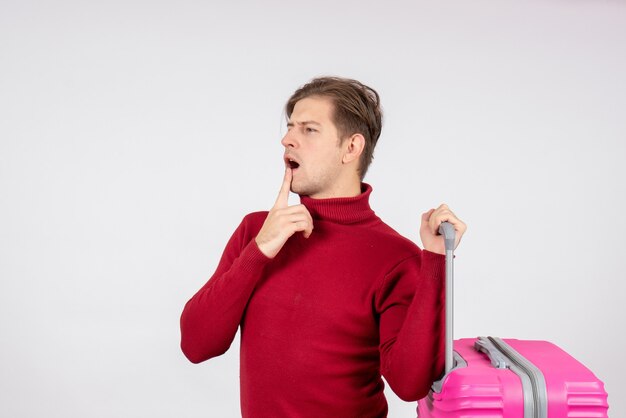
289, 140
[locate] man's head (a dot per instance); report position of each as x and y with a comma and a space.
355, 110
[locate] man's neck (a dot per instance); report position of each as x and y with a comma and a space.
351, 189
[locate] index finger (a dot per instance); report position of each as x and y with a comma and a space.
282, 201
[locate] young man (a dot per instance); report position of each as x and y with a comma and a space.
328, 297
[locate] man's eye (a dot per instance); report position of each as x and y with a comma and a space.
311, 130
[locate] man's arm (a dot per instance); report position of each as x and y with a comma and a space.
210, 319
410, 304
412, 312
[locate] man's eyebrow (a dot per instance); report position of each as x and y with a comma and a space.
304, 122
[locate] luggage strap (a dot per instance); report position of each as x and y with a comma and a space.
502, 355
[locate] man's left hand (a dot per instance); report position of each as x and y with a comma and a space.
429, 230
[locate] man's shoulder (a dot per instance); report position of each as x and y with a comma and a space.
392, 238
255, 217
249, 227
253, 221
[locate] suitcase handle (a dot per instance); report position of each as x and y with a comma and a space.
484, 345
449, 234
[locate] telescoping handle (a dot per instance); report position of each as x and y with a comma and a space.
449, 234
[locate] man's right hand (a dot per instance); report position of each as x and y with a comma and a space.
283, 221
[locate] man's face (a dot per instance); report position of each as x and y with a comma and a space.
312, 148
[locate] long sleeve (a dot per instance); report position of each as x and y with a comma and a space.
211, 317
325, 318
411, 308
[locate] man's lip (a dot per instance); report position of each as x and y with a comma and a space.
288, 159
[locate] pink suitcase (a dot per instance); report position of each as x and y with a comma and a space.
493, 377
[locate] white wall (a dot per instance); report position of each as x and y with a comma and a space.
135, 135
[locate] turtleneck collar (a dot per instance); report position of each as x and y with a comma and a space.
342, 210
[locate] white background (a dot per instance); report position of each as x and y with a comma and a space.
134, 135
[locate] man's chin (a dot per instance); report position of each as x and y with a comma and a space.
298, 191
301, 190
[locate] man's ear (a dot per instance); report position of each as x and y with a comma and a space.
354, 148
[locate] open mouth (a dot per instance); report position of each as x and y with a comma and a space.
293, 164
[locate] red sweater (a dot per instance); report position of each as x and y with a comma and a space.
326, 317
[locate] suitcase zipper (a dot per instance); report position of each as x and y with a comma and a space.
533, 376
